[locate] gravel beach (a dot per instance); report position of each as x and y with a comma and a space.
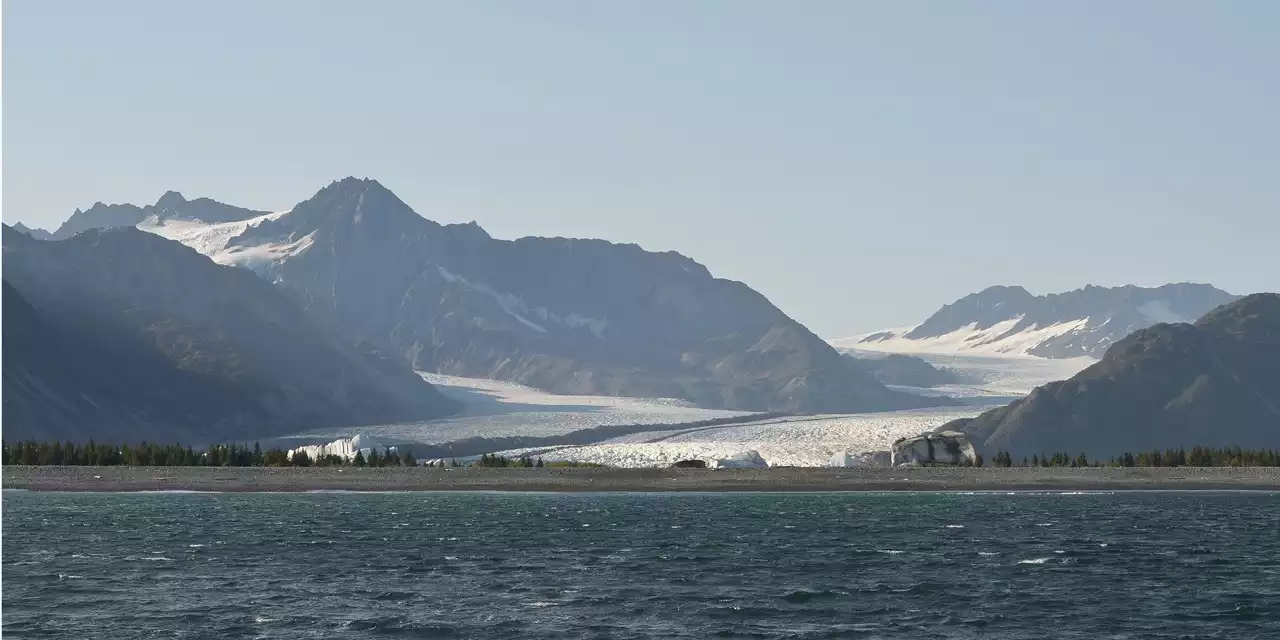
648, 480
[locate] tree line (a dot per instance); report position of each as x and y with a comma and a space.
150, 454
1180, 457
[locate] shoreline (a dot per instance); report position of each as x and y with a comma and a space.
614, 480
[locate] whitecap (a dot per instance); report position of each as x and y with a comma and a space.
194, 546
988, 553
1059, 551
955, 526
542, 604
66, 576
263, 619
1044, 524
892, 552
156, 559
1034, 561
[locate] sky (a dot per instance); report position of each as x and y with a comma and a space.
859, 163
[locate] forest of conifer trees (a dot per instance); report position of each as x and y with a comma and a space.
173, 455
34, 453
1181, 457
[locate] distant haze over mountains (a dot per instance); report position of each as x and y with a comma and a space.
120, 335
564, 315
1005, 320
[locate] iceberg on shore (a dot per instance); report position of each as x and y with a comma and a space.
744, 460
344, 448
873, 459
947, 447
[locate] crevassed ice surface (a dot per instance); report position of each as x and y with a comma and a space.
800, 442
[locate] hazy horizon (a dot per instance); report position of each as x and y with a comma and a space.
858, 164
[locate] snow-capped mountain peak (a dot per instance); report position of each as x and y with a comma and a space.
570, 316
1010, 321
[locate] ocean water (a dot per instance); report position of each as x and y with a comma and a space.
416, 565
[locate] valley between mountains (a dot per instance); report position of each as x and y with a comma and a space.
351, 314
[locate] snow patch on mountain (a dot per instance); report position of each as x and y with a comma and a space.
214, 239
1010, 321
1000, 339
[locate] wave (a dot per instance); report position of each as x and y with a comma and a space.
801, 596
1034, 561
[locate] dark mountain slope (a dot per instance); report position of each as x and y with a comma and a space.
119, 334
1214, 383
565, 315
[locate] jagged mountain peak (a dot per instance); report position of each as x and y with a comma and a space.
171, 205
39, 234
360, 201
1003, 291
566, 315
170, 200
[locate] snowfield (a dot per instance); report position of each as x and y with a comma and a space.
211, 240
787, 442
995, 340
495, 409
1003, 376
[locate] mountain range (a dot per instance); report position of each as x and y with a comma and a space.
1214, 383
563, 315
1009, 320
117, 334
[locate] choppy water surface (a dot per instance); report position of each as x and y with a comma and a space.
1167, 565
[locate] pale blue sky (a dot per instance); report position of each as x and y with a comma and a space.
859, 163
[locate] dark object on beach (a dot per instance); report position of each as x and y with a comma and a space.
690, 464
